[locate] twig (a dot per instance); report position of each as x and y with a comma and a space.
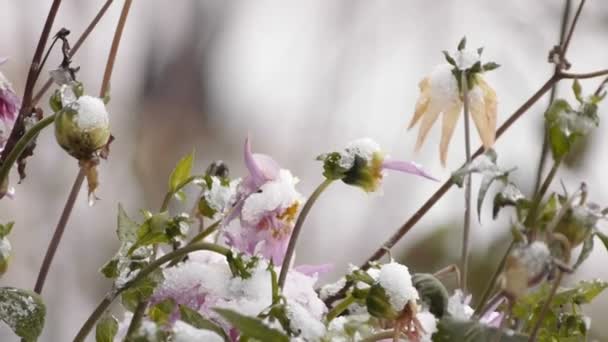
466, 232
581, 76
297, 228
176, 254
69, 205
75, 48
566, 44
26, 107
545, 308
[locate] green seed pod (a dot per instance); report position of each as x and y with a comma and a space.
378, 303
82, 127
432, 291
578, 223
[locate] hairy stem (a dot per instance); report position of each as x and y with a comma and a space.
466, 232
75, 48
153, 266
63, 220
297, 228
545, 308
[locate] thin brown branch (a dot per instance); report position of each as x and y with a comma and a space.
75, 48
581, 76
566, 43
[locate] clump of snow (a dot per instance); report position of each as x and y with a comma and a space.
183, 332
465, 59
429, 325
272, 196
458, 306
301, 321
331, 289
5, 248
444, 87
219, 197
147, 329
396, 280
92, 112
535, 257
67, 94
364, 148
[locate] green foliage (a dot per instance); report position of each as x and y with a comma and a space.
241, 265
106, 329
141, 291
563, 317
23, 311
181, 173
6, 229
486, 166
195, 319
252, 327
161, 311
331, 166
160, 228
432, 292
378, 303
451, 329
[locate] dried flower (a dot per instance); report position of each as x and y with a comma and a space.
440, 92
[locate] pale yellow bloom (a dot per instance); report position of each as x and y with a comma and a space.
439, 94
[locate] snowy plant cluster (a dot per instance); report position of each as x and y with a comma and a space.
221, 266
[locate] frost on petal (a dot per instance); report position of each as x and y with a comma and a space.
407, 167
396, 280
458, 306
486, 125
183, 332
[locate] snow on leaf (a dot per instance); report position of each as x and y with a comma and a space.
251, 326
23, 311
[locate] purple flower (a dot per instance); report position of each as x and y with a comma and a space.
9, 106
263, 217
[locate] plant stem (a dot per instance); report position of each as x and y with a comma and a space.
388, 334
545, 147
492, 282
338, 309
177, 254
538, 197
26, 107
208, 231
63, 220
566, 43
75, 48
297, 228
581, 76
21, 144
545, 308
464, 258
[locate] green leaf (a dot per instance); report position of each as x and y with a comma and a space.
577, 89
6, 229
161, 312
181, 172
510, 195
451, 329
152, 231
585, 251
141, 291
251, 326
565, 125
432, 292
110, 269
490, 66
196, 320
127, 228
106, 329
462, 44
603, 237
23, 311
449, 58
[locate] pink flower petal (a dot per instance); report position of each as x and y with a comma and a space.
406, 167
262, 168
314, 270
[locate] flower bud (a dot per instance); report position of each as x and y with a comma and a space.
526, 266
578, 223
431, 291
82, 127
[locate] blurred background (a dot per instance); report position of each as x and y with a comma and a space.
301, 78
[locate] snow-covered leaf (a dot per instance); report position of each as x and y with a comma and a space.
585, 251
142, 290
181, 172
510, 195
161, 311
23, 311
196, 320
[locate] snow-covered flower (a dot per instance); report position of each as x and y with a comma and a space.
10, 104
204, 283
458, 306
362, 163
266, 209
525, 267
440, 92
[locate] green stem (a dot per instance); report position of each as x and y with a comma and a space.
21, 144
200, 237
464, 258
388, 334
297, 228
340, 307
492, 282
538, 197
545, 308
177, 254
